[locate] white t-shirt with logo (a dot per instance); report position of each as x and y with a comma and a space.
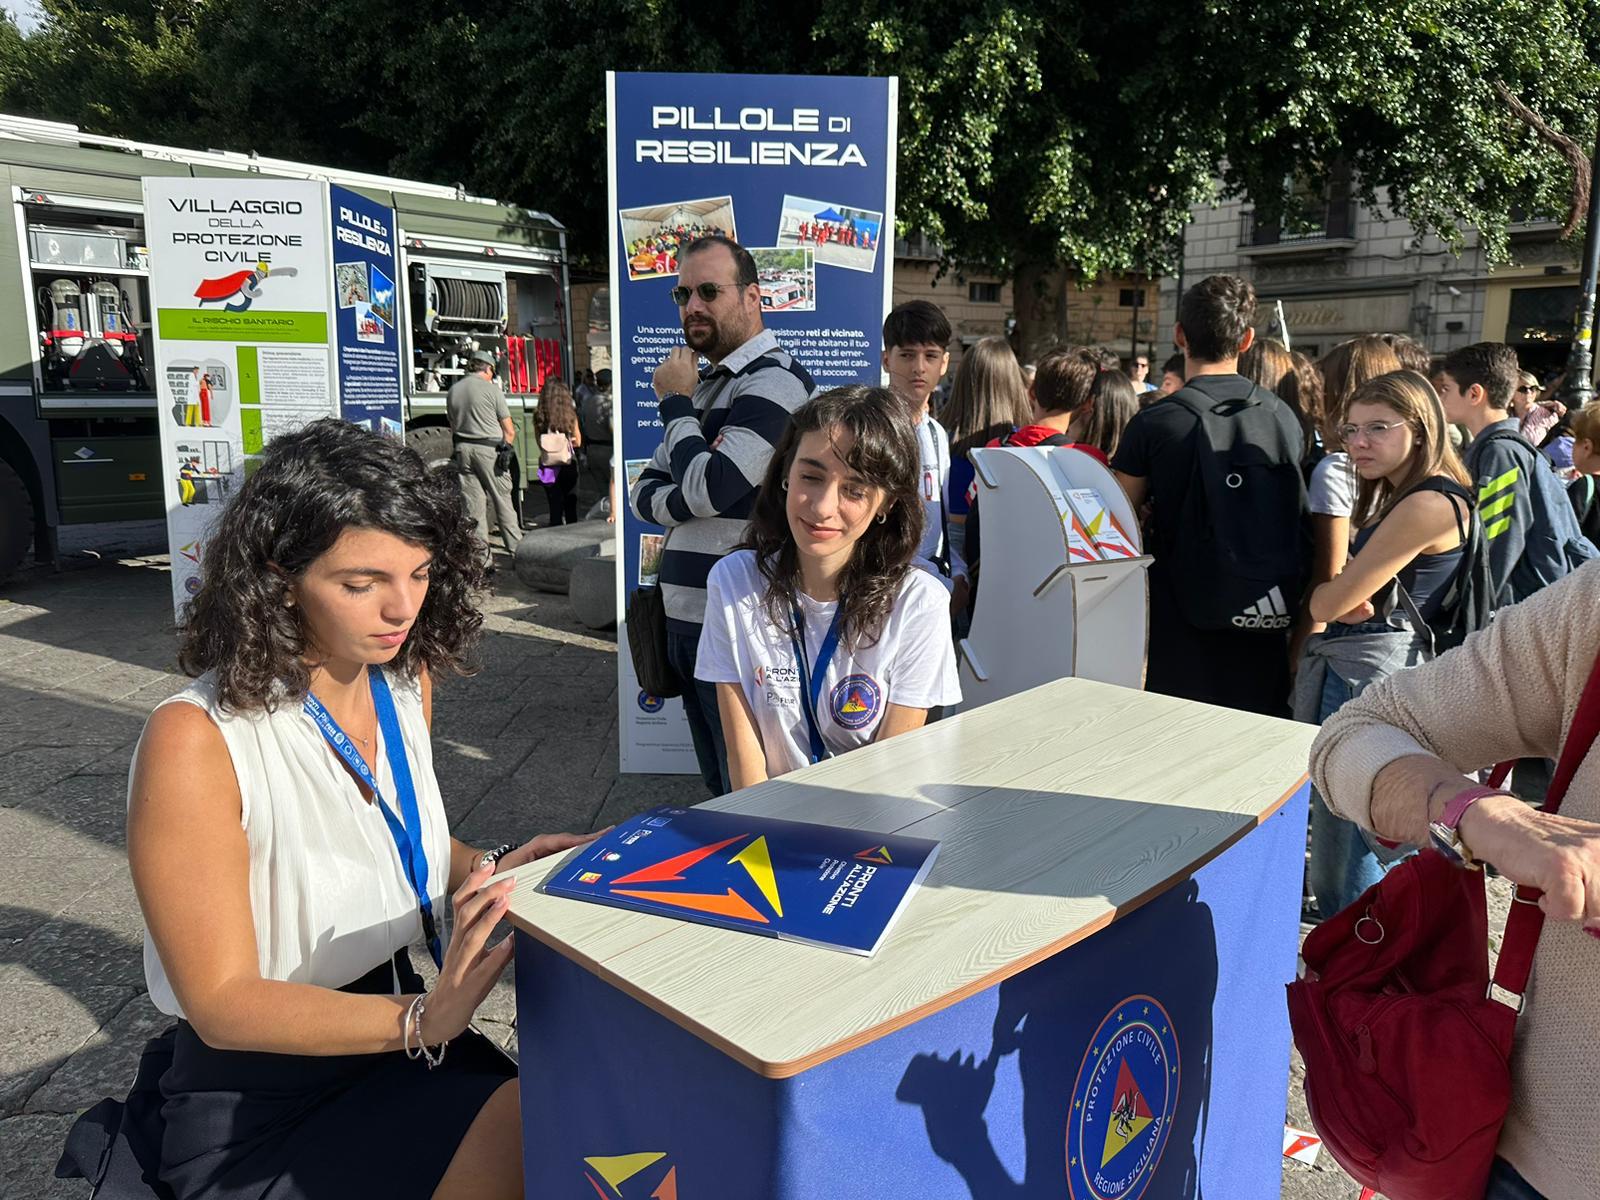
912, 663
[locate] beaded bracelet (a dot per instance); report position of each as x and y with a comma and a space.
414, 1014
491, 858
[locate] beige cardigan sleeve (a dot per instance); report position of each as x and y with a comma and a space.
1508, 692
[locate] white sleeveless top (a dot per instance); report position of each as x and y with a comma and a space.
328, 893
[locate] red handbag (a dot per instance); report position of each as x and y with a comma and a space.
1406, 1042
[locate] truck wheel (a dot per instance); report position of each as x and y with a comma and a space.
16, 521
433, 443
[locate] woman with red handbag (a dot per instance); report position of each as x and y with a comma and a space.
1399, 761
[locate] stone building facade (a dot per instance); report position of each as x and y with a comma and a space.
1116, 311
1350, 270
977, 301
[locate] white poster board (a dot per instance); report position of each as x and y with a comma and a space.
241, 284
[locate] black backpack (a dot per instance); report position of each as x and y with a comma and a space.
1241, 547
1469, 604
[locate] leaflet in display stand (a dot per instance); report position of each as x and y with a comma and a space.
841, 889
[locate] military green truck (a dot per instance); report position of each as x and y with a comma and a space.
78, 433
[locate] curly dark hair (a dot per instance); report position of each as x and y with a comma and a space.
883, 451
309, 487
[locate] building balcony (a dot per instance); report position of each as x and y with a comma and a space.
918, 246
1329, 230
1532, 226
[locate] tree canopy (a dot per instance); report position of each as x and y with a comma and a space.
1039, 133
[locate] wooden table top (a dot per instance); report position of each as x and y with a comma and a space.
1058, 810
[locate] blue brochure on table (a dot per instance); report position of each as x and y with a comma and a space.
819, 884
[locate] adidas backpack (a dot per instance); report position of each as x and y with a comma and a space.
1241, 546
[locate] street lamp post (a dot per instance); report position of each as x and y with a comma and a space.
1579, 387
1138, 295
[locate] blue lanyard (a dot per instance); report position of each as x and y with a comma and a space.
811, 677
407, 833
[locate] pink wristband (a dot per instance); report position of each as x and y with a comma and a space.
1456, 807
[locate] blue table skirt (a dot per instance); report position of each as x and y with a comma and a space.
1149, 1061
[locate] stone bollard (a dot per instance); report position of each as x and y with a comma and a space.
545, 557
593, 591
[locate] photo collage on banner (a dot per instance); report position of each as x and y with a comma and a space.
800, 171
240, 281
366, 313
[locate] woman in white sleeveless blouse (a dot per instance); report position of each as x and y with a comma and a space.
276, 896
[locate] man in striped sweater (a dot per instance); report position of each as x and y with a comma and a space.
721, 425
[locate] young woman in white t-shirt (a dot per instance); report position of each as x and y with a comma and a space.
819, 635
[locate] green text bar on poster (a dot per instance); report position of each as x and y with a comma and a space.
213, 325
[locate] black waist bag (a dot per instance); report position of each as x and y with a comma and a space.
647, 642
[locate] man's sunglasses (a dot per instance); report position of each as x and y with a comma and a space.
706, 291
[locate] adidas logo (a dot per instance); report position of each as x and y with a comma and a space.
1269, 612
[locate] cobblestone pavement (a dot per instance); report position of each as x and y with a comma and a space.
530, 744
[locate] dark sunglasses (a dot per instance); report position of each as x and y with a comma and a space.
706, 291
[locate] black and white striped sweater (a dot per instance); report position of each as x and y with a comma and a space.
704, 497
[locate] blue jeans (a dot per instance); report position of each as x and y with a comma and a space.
1506, 1184
1343, 861
700, 707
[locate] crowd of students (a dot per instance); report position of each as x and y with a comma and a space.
1308, 522
657, 253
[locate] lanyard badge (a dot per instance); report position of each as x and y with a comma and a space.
811, 677
406, 828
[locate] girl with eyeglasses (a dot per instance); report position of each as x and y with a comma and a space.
1413, 514
820, 635
1331, 487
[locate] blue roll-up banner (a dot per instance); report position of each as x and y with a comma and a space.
365, 274
799, 170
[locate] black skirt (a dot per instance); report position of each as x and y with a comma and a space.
243, 1125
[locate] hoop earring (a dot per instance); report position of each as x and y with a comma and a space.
786, 484
882, 518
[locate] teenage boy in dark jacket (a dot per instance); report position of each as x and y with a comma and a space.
1532, 536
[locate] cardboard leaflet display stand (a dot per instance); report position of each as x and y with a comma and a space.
1064, 590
